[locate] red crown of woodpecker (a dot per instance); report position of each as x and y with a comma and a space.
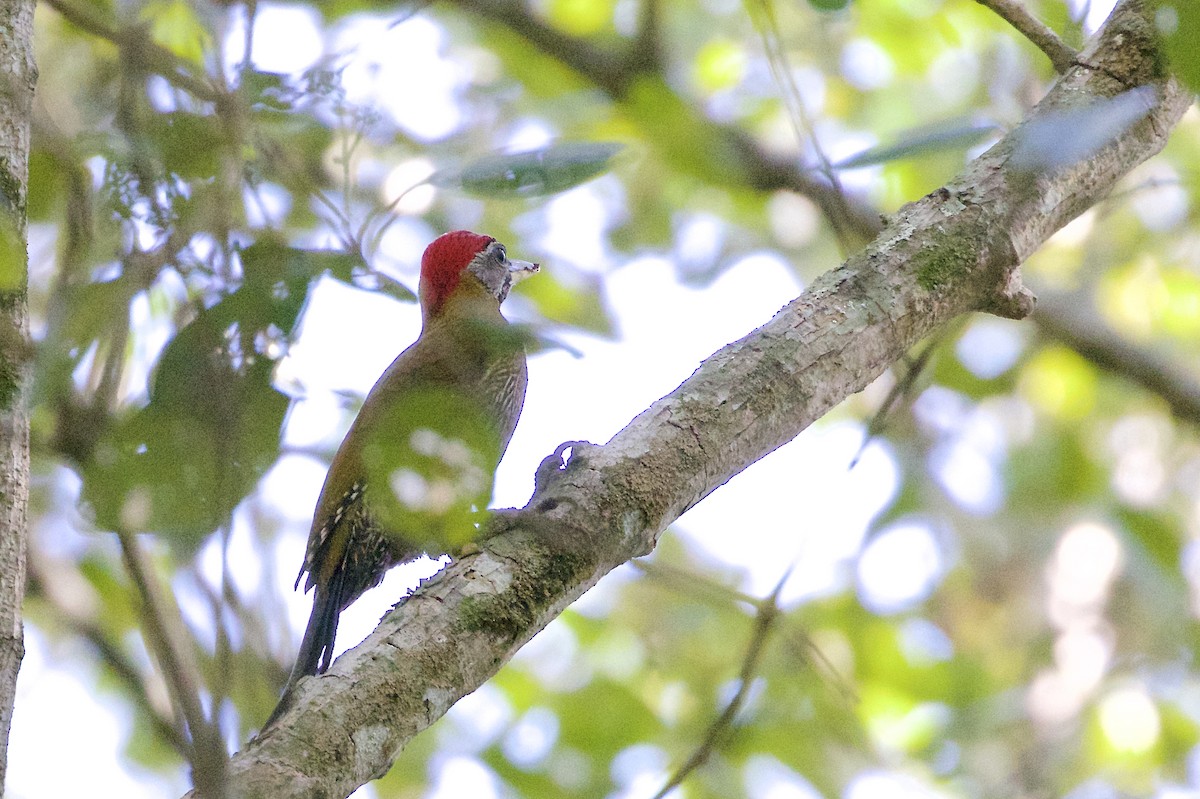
444, 261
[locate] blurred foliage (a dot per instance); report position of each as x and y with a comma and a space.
187, 204
1179, 24
535, 173
919, 142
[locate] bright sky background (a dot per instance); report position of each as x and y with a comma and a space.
665, 330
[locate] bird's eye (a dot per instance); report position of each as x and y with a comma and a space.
501, 253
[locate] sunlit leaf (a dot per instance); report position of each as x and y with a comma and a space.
1053, 470
1157, 537
580, 17
605, 734
175, 25
146, 747
1060, 382
1181, 316
720, 64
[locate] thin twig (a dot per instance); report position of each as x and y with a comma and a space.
248, 41
1061, 55
647, 44
768, 612
208, 756
905, 385
368, 250
762, 16
806, 649
342, 220
250, 619
223, 654
182, 682
794, 634
721, 597
43, 585
694, 585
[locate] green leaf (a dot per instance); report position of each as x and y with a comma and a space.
12, 254
686, 140
1178, 23
720, 64
922, 141
190, 144
92, 309
626, 718
183, 463
536, 173
1155, 535
377, 282
277, 277
1053, 470
265, 90
428, 463
578, 306
581, 17
45, 185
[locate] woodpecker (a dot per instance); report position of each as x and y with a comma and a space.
423, 449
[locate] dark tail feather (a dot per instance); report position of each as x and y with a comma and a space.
316, 649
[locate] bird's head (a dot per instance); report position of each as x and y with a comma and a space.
466, 262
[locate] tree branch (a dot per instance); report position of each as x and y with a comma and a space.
162, 627
150, 56
955, 251
1062, 320
45, 583
1036, 31
764, 620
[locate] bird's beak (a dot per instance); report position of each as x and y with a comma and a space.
519, 270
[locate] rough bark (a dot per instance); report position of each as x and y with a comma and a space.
955, 251
17, 77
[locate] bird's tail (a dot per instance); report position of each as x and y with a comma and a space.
316, 649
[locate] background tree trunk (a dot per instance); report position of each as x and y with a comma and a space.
16, 99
